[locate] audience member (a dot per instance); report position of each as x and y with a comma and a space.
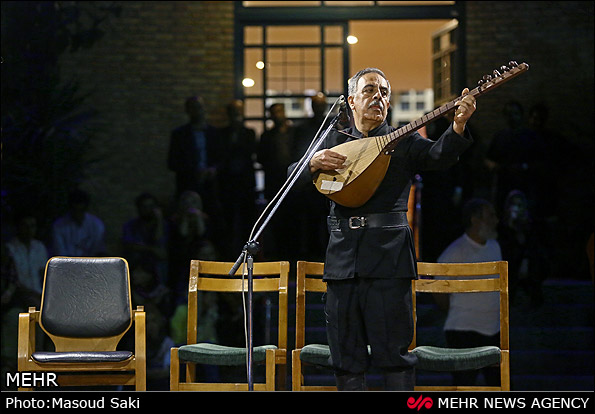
148, 289
188, 230
442, 195
514, 156
12, 305
78, 232
29, 256
473, 319
275, 155
546, 174
234, 158
23, 265
309, 205
144, 238
523, 248
190, 155
159, 344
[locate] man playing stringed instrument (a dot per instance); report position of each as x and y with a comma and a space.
370, 258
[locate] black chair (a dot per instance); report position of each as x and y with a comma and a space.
85, 310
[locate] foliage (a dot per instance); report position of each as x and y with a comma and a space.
44, 127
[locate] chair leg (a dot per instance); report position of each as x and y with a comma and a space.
140, 352
505, 371
297, 379
174, 370
270, 370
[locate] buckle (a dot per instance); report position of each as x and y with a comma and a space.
362, 222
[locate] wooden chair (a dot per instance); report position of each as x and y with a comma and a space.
446, 278
213, 277
85, 310
309, 279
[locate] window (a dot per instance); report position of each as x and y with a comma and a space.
288, 64
444, 49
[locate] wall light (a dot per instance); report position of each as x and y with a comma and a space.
248, 82
260, 64
352, 40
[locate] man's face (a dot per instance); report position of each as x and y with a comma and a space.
195, 110
488, 223
278, 113
371, 100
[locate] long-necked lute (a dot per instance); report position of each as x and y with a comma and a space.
368, 158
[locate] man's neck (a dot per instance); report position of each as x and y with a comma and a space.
365, 127
476, 237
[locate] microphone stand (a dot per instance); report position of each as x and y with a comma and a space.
252, 247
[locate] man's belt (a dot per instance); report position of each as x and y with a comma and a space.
383, 220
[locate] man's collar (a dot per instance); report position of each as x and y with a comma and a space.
382, 129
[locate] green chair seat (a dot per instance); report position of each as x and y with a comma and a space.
432, 358
316, 354
213, 354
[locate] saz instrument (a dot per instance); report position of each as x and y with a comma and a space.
368, 158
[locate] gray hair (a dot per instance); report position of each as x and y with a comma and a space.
352, 83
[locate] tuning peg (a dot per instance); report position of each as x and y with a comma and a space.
504, 68
487, 78
512, 64
480, 82
496, 73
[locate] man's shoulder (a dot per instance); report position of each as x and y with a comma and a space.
453, 250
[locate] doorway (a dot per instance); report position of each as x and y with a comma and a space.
417, 56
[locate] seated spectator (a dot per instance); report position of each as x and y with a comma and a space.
522, 247
29, 257
474, 318
187, 241
144, 238
78, 232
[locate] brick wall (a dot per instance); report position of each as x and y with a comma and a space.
556, 40
153, 56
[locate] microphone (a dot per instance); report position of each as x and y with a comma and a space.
343, 112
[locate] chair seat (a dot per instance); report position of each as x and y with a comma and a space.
450, 359
81, 357
213, 354
316, 354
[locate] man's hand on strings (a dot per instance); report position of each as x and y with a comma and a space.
465, 108
327, 160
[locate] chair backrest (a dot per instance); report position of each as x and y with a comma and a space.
86, 303
309, 279
267, 277
444, 278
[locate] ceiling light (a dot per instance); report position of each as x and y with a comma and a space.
260, 64
248, 82
352, 40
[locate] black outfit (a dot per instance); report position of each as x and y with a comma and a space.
311, 209
274, 154
369, 269
234, 161
190, 161
520, 156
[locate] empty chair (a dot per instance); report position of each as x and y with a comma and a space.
85, 310
309, 280
213, 277
447, 278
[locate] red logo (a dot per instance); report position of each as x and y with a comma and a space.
420, 403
